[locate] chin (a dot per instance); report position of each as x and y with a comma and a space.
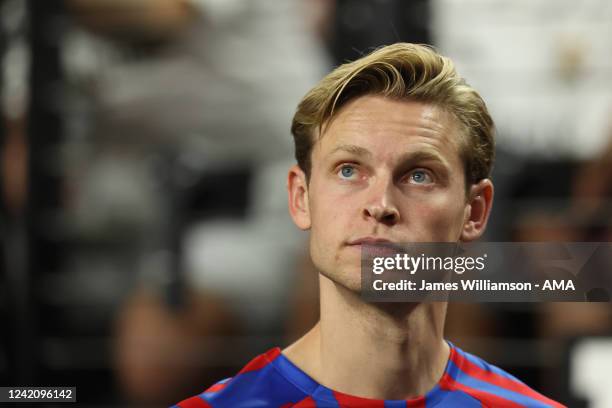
348, 279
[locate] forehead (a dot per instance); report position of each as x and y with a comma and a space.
390, 127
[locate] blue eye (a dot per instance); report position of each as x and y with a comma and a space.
347, 171
420, 177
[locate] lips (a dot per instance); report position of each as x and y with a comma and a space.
376, 246
370, 241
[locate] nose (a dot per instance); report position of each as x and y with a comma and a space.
382, 206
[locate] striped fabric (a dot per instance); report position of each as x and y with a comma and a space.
271, 380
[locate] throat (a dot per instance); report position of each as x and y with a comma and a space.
373, 355
389, 369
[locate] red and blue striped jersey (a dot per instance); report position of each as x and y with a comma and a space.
271, 380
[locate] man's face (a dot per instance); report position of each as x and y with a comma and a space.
384, 170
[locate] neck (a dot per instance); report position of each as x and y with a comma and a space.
381, 351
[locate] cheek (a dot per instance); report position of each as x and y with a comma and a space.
321, 214
333, 215
331, 204
439, 218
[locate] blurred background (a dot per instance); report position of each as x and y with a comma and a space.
146, 247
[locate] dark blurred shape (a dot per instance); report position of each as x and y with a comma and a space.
214, 194
148, 21
3, 215
155, 343
43, 192
598, 295
361, 25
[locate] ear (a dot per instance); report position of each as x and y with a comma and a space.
298, 197
478, 208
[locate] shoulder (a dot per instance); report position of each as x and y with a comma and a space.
489, 384
259, 382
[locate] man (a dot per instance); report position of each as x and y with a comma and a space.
393, 147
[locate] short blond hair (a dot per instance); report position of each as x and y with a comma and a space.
400, 71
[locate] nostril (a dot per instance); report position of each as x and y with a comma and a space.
386, 215
389, 218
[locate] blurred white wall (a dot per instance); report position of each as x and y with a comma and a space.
544, 68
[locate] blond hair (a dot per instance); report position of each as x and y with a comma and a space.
399, 71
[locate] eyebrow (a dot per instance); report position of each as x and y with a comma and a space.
424, 155
353, 149
410, 157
